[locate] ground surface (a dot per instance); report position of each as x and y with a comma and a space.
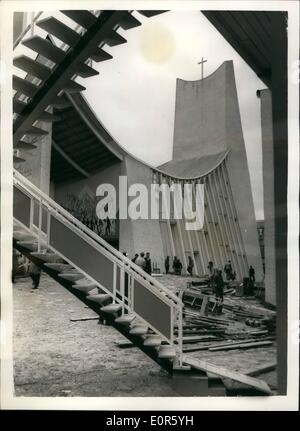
56, 357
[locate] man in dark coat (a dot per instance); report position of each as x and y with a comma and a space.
35, 274
148, 265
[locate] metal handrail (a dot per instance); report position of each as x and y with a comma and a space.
38, 194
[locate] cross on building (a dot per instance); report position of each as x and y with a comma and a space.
202, 63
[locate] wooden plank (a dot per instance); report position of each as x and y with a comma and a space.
124, 344
196, 339
264, 369
197, 347
242, 346
83, 319
223, 372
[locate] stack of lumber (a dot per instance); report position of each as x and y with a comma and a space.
222, 334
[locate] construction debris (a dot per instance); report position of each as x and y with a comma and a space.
83, 319
233, 329
260, 385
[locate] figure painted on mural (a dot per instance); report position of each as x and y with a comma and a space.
35, 274
167, 264
148, 265
84, 209
108, 226
190, 266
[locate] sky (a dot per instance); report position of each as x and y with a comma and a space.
134, 95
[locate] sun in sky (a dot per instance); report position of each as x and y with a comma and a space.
157, 43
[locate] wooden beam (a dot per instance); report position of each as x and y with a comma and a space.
70, 160
225, 373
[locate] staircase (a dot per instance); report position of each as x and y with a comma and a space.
123, 295
51, 74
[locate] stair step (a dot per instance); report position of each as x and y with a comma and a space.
114, 39
22, 235
126, 319
82, 17
99, 297
47, 117
87, 289
139, 330
153, 341
59, 30
45, 48
46, 257
61, 102
18, 106
22, 145
100, 55
71, 276
17, 159
33, 67
85, 286
73, 87
129, 21
24, 87
150, 13
167, 352
60, 267
36, 131
30, 245
86, 71
111, 308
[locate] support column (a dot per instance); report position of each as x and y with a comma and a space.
196, 235
170, 236
218, 246
236, 227
236, 217
188, 233
240, 269
213, 192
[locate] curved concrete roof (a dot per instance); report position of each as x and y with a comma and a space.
193, 168
86, 144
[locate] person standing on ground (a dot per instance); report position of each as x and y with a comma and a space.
148, 265
35, 274
167, 264
219, 287
252, 274
190, 266
135, 258
210, 268
15, 265
177, 266
140, 261
228, 270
